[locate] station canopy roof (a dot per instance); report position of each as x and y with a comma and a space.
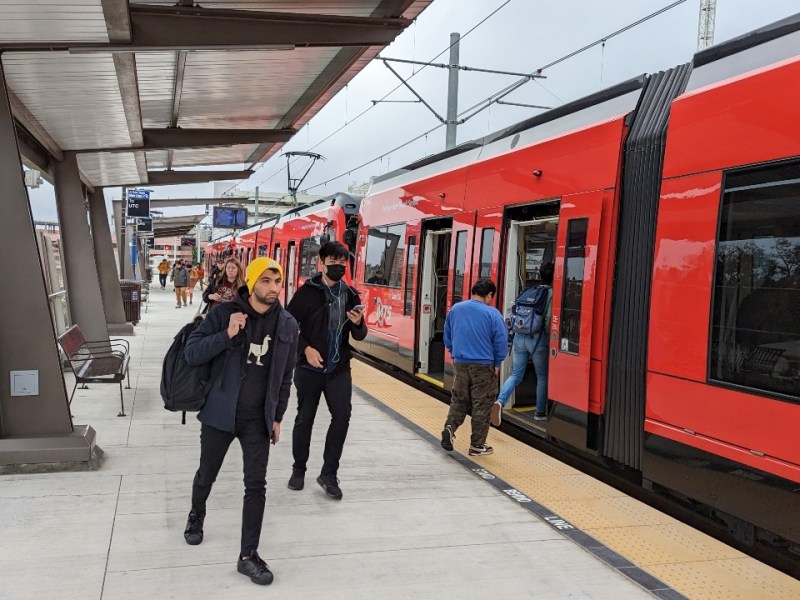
175, 226
142, 90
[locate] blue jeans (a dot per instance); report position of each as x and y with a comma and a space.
525, 347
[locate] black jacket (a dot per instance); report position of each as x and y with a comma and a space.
310, 307
210, 343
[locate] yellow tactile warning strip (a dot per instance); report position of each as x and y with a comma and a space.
686, 560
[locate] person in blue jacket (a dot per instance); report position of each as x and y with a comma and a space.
251, 344
475, 334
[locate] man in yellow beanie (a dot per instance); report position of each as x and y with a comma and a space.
251, 344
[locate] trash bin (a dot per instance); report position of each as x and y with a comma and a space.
148, 274
131, 299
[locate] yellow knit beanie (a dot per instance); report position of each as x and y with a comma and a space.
257, 267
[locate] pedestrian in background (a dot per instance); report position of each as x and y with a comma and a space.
227, 283
201, 275
180, 278
163, 271
194, 276
475, 335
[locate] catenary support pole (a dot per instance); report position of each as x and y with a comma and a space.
452, 91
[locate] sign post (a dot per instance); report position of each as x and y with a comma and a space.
136, 204
139, 203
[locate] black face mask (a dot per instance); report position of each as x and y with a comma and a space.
335, 272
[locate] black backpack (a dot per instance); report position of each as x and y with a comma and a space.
184, 388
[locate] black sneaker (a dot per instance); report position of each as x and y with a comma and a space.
193, 534
331, 486
537, 416
447, 438
255, 568
483, 450
297, 480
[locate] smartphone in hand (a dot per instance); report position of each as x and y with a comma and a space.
360, 307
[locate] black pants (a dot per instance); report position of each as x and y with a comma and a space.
162, 278
214, 444
338, 390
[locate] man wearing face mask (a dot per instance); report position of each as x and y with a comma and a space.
329, 311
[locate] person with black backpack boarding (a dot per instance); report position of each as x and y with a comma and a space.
530, 328
251, 345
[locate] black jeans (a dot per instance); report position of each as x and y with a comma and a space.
338, 389
162, 278
214, 444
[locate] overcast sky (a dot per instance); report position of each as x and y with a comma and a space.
521, 36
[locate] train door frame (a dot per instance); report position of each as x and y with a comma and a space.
291, 268
511, 275
432, 230
570, 381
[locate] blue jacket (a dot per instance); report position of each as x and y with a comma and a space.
210, 343
476, 333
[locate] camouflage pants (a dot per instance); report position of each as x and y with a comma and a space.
474, 392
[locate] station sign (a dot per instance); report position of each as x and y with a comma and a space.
188, 241
150, 242
139, 203
144, 225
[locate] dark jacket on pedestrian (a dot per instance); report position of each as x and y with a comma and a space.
309, 306
180, 277
210, 343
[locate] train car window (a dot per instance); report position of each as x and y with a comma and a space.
487, 248
376, 244
572, 295
755, 325
309, 254
262, 250
411, 263
385, 246
395, 248
461, 259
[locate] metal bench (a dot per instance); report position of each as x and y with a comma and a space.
96, 361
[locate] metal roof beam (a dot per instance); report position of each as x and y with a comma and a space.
176, 138
182, 177
34, 156
180, 27
159, 203
117, 19
179, 139
25, 118
155, 28
177, 92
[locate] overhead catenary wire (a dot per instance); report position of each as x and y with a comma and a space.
392, 91
489, 100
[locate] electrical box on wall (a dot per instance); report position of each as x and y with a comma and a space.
24, 383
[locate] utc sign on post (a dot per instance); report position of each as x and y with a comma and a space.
138, 203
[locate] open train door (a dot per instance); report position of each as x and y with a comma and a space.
573, 316
434, 285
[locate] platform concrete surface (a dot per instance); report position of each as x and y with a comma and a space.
413, 523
